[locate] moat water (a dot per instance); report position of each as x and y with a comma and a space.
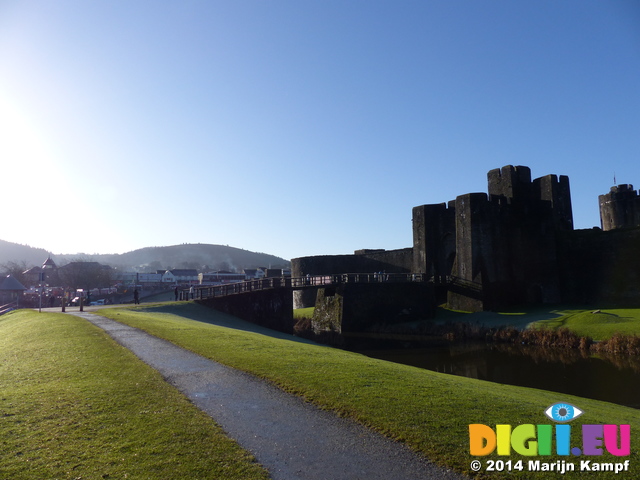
610, 378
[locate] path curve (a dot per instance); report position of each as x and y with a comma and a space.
290, 438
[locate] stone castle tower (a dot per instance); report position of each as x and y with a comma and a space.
619, 208
499, 248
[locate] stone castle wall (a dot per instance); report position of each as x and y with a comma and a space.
601, 266
355, 307
269, 308
363, 261
515, 244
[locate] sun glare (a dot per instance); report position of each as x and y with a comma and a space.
22, 150
32, 179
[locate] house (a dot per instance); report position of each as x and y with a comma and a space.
47, 273
137, 278
32, 276
254, 273
218, 278
178, 275
149, 278
10, 289
126, 278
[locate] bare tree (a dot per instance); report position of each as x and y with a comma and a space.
16, 270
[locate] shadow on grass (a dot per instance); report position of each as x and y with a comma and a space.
518, 318
200, 313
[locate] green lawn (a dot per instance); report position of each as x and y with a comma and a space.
303, 312
75, 405
598, 326
427, 410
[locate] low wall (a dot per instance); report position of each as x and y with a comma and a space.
268, 308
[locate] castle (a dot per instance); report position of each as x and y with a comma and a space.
514, 245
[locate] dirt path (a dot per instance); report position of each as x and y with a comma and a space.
290, 438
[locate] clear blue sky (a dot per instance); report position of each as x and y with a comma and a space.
301, 127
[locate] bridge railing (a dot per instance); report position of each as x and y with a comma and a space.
335, 279
225, 289
8, 307
203, 292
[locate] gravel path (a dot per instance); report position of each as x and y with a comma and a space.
290, 438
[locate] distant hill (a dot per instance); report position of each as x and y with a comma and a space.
17, 253
199, 256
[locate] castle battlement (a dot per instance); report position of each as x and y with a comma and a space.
623, 189
512, 183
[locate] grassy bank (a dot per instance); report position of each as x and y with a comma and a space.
429, 411
597, 325
74, 404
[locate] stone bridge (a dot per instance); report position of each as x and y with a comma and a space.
344, 302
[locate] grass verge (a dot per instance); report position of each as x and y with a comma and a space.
428, 411
74, 404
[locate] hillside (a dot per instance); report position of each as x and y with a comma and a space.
17, 253
199, 256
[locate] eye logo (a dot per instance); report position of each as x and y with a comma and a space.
563, 412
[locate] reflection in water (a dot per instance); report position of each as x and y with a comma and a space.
610, 378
